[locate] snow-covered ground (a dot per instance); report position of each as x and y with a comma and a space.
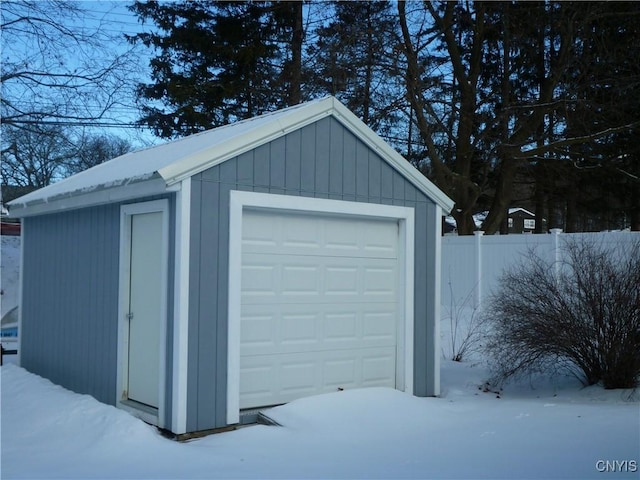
549, 431
537, 429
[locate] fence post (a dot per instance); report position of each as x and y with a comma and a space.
557, 254
477, 300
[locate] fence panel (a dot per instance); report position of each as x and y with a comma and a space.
472, 266
458, 270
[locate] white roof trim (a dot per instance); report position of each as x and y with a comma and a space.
234, 146
174, 161
376, 143
99, 196
295, 119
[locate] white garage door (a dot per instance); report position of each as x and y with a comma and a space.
319, 305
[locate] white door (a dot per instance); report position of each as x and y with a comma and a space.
319, 305
145, 307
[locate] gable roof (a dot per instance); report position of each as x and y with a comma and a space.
165, 165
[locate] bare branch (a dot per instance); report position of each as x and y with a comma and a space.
532, 152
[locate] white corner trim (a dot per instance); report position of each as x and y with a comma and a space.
181, 308
240, 200
435, 347
21, 291
126, 211
408, 232
233, 328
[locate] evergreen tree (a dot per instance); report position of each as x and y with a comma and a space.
352, 59
217, 62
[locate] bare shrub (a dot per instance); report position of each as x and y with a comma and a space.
581, 316
466, 332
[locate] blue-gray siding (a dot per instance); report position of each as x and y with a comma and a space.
322, 160
70, 299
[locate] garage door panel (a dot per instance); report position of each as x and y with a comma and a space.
340, 373
256, 381
264, 232
296, 278
282, 378
258, 278
319, 305
341, 235
378, 369
298, 376
380, 239
341, 280
291, 328
379, 326
380, 281
341, 327
299, 279
274, 379
258, 331
259, 230
299, 330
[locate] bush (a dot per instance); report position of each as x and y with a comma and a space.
466, 330
582, 315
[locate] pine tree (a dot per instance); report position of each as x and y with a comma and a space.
216, 62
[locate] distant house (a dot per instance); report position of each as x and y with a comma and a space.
518, 220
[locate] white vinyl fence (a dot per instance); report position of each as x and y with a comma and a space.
472, 265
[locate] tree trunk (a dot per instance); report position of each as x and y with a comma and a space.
502, 196
634, 211
295, 96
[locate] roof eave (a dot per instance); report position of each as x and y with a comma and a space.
99, 195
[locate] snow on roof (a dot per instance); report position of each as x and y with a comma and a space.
514, 210
143, 164
185, 157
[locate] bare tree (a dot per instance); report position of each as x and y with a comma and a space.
490, 86
92, 150
55, 68
35, 158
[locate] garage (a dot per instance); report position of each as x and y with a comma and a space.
319, 305
300, 255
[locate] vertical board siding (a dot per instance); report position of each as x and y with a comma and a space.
321, 160
70, 298
69, 317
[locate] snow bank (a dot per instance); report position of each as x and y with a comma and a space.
559, 432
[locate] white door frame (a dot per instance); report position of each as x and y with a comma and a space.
126, 212
239, 200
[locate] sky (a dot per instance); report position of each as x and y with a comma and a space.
115, 19
103, 22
